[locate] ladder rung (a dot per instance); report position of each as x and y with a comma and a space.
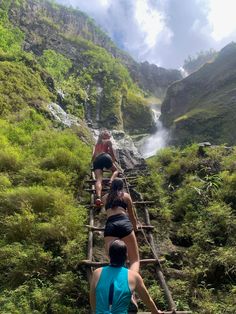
101, 264
135, 203
105, 188
143, 202
108, 179
145, 227
169, 312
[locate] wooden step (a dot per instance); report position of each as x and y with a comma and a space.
106, 188
143, 202
108, 179
169, 312
140, 228
90, 263
135, 203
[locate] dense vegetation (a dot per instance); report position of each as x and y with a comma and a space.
195, 218
42, 233
93, 81
43, 166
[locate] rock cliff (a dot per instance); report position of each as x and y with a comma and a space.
50, 26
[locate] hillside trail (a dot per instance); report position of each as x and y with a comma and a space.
150, 263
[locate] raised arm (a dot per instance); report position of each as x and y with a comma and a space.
131, 213
144, 295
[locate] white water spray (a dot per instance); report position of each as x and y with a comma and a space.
156, 141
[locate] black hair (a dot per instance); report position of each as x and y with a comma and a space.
117, 253
117, 186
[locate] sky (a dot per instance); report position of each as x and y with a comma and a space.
163, 32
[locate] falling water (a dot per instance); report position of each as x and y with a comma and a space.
60, 115
156, 141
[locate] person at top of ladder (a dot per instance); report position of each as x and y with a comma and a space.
112, 286
121, 221
103, 157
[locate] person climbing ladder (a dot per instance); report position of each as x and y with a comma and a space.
112, 286
103, 157
121, 221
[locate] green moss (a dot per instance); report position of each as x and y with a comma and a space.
11, 40
137, 115
20, 86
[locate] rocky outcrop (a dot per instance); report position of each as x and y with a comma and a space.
202, 107
152, 78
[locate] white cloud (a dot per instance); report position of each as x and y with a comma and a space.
221, 18
149, 20
163, 32
104, 3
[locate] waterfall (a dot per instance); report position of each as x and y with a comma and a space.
151, 144
61, 116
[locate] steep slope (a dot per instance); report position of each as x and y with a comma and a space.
94, 81
152, 78
202, 107
50, 26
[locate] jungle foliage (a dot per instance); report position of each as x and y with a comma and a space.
42, 223
195, 218
42, 168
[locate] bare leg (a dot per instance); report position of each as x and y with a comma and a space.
98, 184
133, 253
115, 172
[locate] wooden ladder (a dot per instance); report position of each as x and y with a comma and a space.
141, 206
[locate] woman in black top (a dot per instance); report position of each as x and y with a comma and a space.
121, 221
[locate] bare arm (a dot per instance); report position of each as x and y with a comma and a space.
104, 199
131, 213
93, 155
111, 151
144, 295
92, 295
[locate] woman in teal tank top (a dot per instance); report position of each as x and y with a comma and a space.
112, 291
111, 286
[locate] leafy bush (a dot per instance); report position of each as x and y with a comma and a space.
56, 64
4, 182
11, 41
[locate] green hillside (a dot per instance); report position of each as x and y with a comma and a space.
202, 107
195, 221
95, 83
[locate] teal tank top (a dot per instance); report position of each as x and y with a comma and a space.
113, 285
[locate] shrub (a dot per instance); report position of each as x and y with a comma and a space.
10, 159
20, 86
56, 64
19, 263
49, 201
4, 182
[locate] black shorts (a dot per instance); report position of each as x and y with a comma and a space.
118, 226
102, 161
